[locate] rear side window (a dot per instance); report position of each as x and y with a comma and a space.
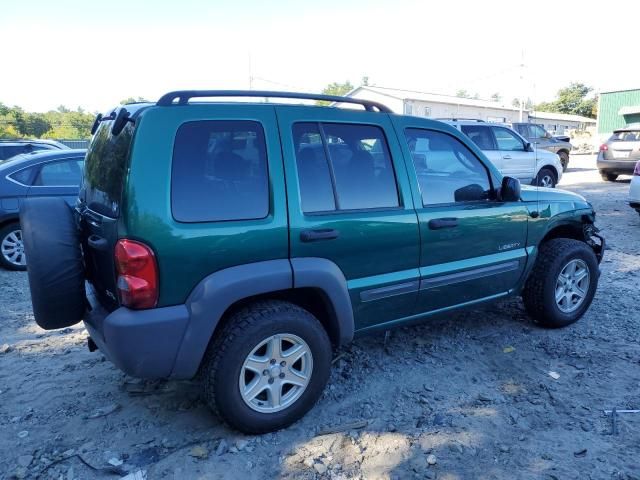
23, 176
219, 172
344, 167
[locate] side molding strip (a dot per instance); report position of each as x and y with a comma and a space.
389, 291
474, 274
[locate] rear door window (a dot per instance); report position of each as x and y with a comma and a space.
219, 172
480, 135
344, 167
66, 173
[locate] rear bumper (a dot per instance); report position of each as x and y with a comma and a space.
620, 167
142, 343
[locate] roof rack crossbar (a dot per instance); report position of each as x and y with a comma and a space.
183, 97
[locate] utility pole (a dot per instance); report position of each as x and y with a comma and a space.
522, 87
250, 74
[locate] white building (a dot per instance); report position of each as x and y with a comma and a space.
436, 106
561, 123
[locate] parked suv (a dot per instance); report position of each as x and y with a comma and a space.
619, 154
511, 154
244, 241
11, 148
538, 136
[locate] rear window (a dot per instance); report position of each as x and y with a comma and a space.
219, 172
625, 136
105, 166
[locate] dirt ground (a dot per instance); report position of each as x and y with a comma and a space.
481, 395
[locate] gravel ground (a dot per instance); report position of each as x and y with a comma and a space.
484, 394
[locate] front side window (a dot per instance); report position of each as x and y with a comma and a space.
219, 172
343, 167
508, 140
59, 174
447, 171
537, 131
480, 135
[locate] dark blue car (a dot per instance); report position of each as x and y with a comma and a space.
53, 173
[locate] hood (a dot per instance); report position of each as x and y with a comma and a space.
529, 193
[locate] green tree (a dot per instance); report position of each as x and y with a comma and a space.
335, 88
496, 97
572, 100
462, 93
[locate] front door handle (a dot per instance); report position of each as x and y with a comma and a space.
507, 157
319, 234
439, 223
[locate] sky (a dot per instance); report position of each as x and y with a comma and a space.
90, 54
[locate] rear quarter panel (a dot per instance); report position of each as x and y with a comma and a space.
188, 252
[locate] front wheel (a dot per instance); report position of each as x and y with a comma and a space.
562, 283
564, 160
267, 367
546, 178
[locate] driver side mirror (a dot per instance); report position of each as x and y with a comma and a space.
510, 189
528, 147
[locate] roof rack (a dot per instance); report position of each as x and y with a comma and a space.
183, 97
461, 119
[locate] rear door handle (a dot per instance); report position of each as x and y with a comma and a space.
439, 223
319, 234
97, 243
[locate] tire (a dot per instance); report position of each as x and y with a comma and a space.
608, 177
546, 178
55, 269
564, 159
224, 362
540, 290
12, 255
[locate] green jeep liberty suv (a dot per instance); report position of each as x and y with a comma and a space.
241, 242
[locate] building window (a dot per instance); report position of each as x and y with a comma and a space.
408, 109
427, 111
497, 119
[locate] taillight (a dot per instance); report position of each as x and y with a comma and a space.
137, 274
604, 147
636, 171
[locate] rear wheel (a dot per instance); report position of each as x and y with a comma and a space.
546, 178
608, 177
267, 367
562, 283
12, 254
564, 160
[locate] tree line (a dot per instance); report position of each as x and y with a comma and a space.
61, 123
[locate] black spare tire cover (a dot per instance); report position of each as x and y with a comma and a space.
55, 270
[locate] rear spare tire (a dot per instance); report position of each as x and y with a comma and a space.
55, 270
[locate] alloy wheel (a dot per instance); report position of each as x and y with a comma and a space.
276, 373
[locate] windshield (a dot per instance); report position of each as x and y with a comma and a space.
105, 167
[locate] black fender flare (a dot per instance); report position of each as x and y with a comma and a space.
211, 298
